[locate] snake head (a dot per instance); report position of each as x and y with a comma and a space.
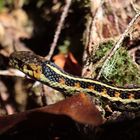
27, 62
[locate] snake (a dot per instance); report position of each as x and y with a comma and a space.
48, 73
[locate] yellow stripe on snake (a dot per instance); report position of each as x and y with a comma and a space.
125, 99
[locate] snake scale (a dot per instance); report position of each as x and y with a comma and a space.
118, 98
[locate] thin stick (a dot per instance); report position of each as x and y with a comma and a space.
12, 72
119, 43
59, 28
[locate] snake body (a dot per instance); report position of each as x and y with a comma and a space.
126, 99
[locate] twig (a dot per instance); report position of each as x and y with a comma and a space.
59, 28
12, 72
118, 44
56, 37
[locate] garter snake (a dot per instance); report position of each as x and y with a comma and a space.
126, 99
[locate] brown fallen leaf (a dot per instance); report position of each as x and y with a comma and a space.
68, 63
79, 107
60, 60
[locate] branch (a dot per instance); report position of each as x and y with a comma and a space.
12, 72
59, 28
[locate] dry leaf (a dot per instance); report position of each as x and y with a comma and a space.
79, 107
68, 63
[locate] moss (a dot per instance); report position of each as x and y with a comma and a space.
102, 50
120, 69
123, 70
